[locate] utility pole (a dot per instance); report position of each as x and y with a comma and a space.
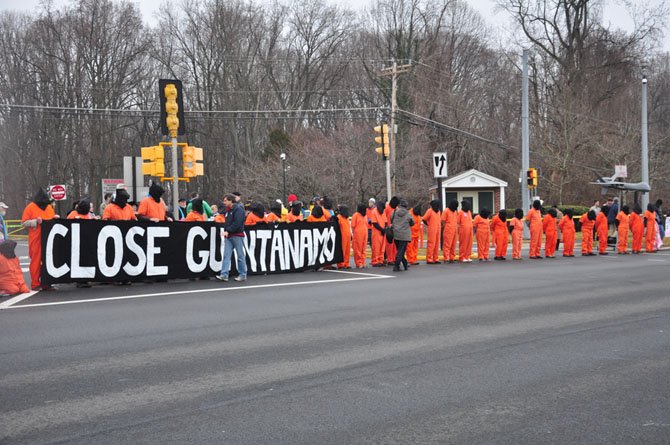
393, 71
525, 150
645, 148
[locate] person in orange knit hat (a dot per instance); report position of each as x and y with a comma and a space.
34, 214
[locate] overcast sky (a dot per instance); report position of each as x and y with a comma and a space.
614, 13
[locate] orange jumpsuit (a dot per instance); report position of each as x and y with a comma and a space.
391, 249
517, 238
345, 230
587, 234
535, 218
272, 218
195, 216
32, 211
637, 229
310, 218
650, 239
115, 213
550, 235
601, 230
11, 277
500, 236
378, 239
449, 234
149, 208
413, 246
567, 227
464, 235
219, 218
359, 225
483, 230
76, 215
252, 219
622, 246
290, 217
432, 220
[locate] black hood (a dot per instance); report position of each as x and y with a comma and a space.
258, 209
453, 205
552, 212
7, 249
156, 191
416, 209
485, 213
465, 206
317, 212
435, 205
84, 207
591, 215
518, 214
121, 198
502, 214
41, 198
381, 206
296, 208
196, 205
394, 202
344, 210
537, 204
361, 209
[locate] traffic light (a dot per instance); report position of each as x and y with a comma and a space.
383, 140
531, 178
190, 164
172, 107
153, 161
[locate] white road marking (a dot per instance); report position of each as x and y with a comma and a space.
7, 304
657, 261
356, 273
24, 258
221, 289
25, 269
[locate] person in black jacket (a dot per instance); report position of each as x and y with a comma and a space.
233, 232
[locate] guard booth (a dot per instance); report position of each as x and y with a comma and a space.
482, 190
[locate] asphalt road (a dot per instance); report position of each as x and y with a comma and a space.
552, 351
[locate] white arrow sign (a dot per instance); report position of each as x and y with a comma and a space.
439, 165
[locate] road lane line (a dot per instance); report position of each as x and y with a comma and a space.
357, 273
221, 289
7, 304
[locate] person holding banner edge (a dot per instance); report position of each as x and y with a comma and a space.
233, 234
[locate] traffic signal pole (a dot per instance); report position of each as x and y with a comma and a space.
175, 177
525, 161
172, 122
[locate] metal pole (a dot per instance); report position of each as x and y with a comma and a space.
175, 179
284, 171
645, 148
394, 105
525, 151
133, 168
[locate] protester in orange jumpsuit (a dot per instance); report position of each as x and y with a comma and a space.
650, 222
34, 214
413, 246
587, 220
482, 227
317, 215
359, 226
345, 230
567, 227
636, 228
295, 213
379, 224
256, 214
450, 231
390, 247
197, 212
152, 208
534, 218
500, 234
550, 233
119, 209
602, 229
432, 221
623, 226
11, 277
465, 233
275, 213
517, 234
82, 210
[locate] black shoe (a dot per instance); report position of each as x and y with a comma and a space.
604, 253
396, 269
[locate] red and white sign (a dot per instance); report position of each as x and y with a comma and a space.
57, 192
620, 171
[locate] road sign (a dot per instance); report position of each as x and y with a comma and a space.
439, 165
109, 186
57, 192
620, 171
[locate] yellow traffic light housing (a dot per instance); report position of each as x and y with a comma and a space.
191, 166
153, 161
383, 140
531, 178
172, 107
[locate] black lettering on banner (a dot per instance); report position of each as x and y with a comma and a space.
110, 251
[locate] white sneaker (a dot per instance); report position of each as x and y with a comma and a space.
240, 278
222, 278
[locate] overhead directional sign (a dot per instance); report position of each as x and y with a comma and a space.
439, 165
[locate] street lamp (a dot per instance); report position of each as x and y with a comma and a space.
283, 168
